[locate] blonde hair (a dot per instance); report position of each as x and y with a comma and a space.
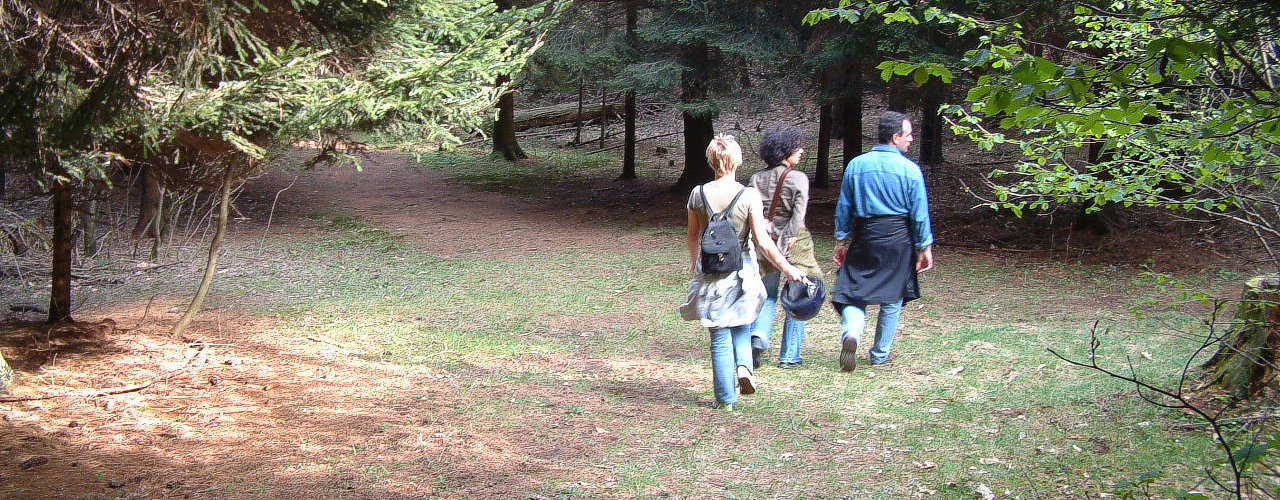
724, 154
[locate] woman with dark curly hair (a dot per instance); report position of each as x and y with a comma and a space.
785, 193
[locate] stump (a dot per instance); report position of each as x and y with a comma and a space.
1247, 358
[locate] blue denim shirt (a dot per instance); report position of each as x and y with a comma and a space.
883, 182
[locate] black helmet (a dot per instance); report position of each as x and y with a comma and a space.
803, 299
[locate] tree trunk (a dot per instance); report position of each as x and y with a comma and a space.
851, 116
577, 122
89, 225
1248, 359
62, 249
3, 166
629, 137
897, 99
822, 172
149, 196
1105, 220
211, 265
629, 105
560, 113
699, 127
504, 128
933, 95
698, 133
604, 120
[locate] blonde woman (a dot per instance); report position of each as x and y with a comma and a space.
728, 303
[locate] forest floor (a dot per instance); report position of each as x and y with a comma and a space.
270, 395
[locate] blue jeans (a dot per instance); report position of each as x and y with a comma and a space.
854, 320
792, 329
730, 347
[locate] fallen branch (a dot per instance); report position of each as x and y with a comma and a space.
638, 141
323, 340
112, 390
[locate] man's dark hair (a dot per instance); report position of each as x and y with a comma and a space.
890, 124
779, 143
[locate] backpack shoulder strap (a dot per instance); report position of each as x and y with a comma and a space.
725, 213
702, 190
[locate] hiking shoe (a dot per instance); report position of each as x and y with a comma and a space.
757, 351
848, 354
746, 382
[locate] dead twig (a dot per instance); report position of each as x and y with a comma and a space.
112, 390
323, 340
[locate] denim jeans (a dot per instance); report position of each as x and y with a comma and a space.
792, 329
730, 347
854, 320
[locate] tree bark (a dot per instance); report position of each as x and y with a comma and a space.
149, 205
604, 119
699, 127
629, 103
1247, 359
211, 265
1105, 220
504, 128
851, 115
897, 99
89, 226
559, 114
577, 122
934, 93
822, 171
62, 249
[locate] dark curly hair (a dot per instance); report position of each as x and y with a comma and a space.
779, 143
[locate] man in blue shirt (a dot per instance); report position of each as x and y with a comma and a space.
883, 239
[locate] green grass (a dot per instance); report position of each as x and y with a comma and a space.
545, 350
1014, 418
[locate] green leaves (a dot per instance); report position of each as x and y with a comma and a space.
920, 72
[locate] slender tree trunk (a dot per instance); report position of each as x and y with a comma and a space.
699, 127
1250, 350
604, 117
62, 250
149, 208
822, 172
934, 93
89, 226
629, 105
851, 118
3, 167
211, 265
577, 123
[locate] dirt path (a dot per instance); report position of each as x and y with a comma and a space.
451, 218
